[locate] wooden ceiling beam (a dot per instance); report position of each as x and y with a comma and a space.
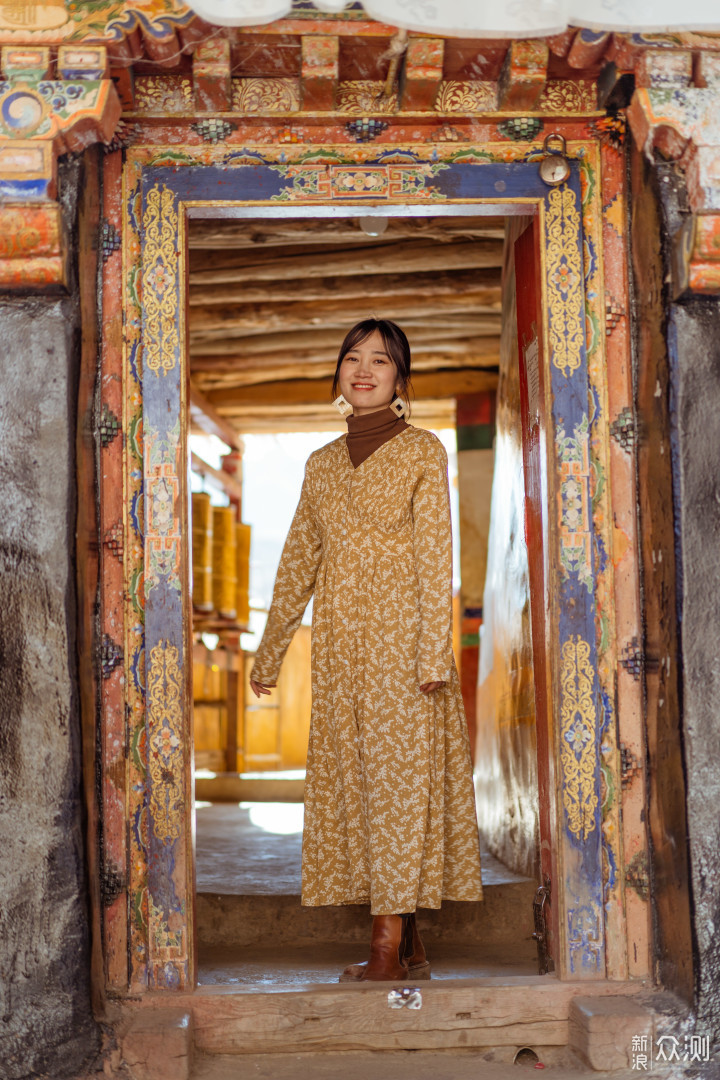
484, 352
214, 268
426, 413
308, 314
435, 384
214, 380
450, 327
204, 416
434, 337
258, 235
484, 284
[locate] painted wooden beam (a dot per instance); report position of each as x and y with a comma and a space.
523, 76
212, 81
422, 73
319, 72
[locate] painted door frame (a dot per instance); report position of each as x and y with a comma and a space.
146, 736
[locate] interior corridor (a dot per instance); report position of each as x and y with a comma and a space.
252, 930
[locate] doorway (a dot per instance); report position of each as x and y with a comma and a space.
163, 196
269, 302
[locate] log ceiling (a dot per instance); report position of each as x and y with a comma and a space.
270, 301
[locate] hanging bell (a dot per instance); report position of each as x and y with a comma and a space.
554, 167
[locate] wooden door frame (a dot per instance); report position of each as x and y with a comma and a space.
146, 737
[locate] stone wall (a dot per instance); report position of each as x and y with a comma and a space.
47, 1026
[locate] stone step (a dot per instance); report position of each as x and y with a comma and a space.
503, 917
472, 1064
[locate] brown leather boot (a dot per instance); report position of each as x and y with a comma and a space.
386, 963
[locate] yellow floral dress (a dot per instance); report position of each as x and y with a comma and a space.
389, 803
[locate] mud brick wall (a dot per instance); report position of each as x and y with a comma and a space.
47, 1027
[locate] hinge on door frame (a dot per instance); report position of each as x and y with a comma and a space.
542, 897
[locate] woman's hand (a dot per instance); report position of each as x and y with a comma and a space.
258, 688
428, 687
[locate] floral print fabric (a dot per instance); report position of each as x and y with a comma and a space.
389, 802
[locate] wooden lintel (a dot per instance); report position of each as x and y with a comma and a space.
523, 76
212, 80
422, 73
319, 72
205, 417
435, 384
227, 482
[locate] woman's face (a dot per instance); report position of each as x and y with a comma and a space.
368, 378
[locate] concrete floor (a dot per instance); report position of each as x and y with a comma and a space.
252, 930
239, 852
290, 966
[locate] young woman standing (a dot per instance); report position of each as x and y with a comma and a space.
389, 803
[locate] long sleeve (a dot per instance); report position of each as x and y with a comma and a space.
432, 540
294, 585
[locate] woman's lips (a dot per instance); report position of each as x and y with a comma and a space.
363, 386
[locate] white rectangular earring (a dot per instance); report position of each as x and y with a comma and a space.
398, 406
343, 407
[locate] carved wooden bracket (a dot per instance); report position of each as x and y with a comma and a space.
42, 117
681, 121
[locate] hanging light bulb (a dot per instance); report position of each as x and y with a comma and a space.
373, 226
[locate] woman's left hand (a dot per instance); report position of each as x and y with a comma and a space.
428, 687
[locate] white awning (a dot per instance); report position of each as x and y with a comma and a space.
491, 18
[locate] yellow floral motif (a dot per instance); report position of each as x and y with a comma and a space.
564, 279
577, 737
262, 96
564, 96
161, 338
164, 95
165, 743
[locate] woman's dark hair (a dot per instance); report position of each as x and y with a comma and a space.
396, 346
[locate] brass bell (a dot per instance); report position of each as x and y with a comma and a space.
554, 167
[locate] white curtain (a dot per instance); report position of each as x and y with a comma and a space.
491, 18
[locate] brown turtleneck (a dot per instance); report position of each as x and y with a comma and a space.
366, 433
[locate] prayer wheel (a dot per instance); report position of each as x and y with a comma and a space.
242, 533
224, 562
202, 553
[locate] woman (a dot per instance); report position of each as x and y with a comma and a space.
389, 805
